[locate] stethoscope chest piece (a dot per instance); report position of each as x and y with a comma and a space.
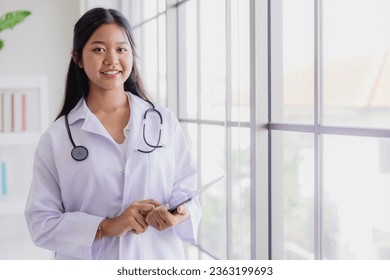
79, 153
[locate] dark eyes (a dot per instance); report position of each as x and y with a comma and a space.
98, 50
101, 50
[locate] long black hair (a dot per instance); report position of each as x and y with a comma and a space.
77, 84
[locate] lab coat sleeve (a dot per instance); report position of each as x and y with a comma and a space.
67, 233
185, 181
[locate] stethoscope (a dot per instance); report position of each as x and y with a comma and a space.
80, 153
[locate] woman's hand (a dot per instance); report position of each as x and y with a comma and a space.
133, 218
161, 219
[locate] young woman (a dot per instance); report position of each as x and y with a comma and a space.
106, 168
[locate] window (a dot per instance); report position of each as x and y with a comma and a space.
148, 19
290, 100
330, 129
212, 105
214, 108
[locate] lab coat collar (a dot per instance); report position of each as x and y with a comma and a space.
81, 110
138, 109
91, 124
78, 112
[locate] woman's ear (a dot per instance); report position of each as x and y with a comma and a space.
75, 60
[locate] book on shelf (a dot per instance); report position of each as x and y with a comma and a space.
13, 108
18, 112
6, 112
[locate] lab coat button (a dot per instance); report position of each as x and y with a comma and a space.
119, 168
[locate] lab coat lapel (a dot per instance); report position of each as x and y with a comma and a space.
91, 122
93, 125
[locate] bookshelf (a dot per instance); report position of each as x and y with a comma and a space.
23, 118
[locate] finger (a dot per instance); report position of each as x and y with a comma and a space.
182, 210
152, 221
145, 207
162, 212
137, 229
141, 221
150, 201
136, 226
136, 223
162, 217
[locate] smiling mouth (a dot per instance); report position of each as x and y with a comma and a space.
110, 73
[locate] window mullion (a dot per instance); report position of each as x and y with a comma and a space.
228, 133
259, 168
318, 144
171, 50
274, 153
198, 92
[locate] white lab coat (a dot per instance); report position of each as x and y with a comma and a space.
68, 199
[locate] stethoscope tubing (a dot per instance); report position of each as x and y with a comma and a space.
69, 132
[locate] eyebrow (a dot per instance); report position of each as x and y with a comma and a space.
103, 43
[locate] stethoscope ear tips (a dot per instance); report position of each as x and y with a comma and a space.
79, 153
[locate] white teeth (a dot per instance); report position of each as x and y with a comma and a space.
111, 72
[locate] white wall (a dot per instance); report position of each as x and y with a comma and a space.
85, 5
41, 44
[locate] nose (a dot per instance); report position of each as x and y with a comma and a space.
111, 59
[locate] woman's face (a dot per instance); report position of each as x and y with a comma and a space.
107, 58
